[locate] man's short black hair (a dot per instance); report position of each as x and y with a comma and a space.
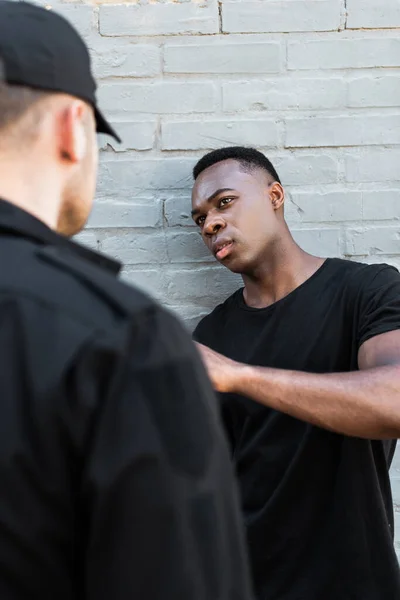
17, 100
249, 159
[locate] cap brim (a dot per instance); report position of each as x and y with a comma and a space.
103, 126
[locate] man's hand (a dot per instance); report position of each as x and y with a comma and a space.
223, 372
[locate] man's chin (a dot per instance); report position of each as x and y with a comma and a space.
233, 264
70, 228
72, 219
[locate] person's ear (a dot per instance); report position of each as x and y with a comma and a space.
277, 195
72, 136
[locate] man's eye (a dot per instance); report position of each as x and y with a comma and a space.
200, 221
225, 201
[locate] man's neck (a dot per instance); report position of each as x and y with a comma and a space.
279, 274
31, 191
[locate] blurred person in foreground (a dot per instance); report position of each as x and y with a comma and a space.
115, 477
307, 359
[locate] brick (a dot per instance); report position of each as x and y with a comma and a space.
396, 491
397, 530
146, 212
148, 280
87, 238
123, 178
171, 97
284, 94
239, 57
307, 169
321, 242
381, 204
134, 248
205, 286
332, 207
374, 91
193, 135
118, 58
292, 212
155, 282
377, 164
160, 19
369, 14
373, 240
341, 53
280, 16
395, 468
177, 211
186, 247
362, 130
81, 17
139, 135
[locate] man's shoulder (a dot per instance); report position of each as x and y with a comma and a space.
358, 276
61, 310
216, 318
355, 266
68, 285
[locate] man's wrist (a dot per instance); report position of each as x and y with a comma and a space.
242, 378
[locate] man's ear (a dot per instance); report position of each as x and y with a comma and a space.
277, 195
72, 136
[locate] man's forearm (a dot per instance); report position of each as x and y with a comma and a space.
362, 403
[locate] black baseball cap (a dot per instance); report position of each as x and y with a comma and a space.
42, 50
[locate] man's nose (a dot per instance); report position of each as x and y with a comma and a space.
214, 223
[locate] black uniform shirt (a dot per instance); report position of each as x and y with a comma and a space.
114, 477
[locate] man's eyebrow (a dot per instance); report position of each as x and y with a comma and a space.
212, 197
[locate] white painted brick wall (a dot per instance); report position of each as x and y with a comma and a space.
280, 16
284, 94
159, 19
194, 135
233, 55
374, 91
348, 130
313, 83
164, 97
371, 14
344, 50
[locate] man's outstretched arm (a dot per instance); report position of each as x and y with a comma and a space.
364, 403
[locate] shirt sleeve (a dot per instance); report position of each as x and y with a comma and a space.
158, 493
378, 302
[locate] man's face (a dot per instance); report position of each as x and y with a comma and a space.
80, 190
234, 212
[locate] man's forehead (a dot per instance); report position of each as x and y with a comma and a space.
224, 168
225, 174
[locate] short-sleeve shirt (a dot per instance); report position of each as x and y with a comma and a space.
317, 505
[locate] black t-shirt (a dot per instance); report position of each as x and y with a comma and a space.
317, 505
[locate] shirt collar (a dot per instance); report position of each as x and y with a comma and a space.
18, 222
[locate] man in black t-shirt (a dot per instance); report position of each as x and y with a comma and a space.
307, 359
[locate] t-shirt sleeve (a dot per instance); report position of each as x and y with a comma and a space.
200, 332
378, 302
158, 491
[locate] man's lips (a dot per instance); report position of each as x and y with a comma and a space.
222, 249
